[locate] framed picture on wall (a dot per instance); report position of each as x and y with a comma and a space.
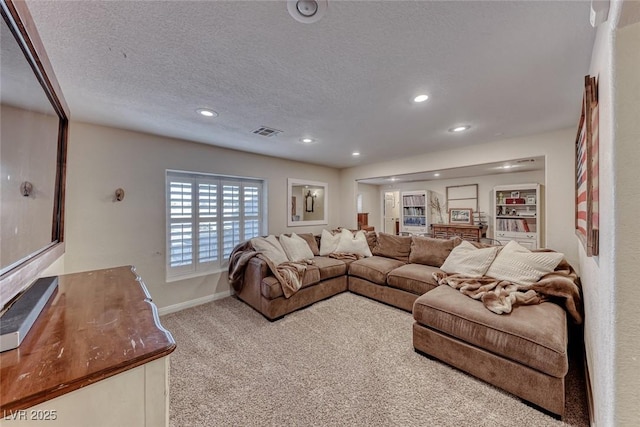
587, 170
460, 216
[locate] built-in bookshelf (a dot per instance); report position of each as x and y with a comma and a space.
415, 212
517, 214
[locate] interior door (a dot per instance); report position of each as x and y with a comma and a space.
391, 211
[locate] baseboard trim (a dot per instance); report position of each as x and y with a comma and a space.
587, 380
192, 303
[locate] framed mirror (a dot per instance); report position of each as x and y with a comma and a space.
306, 202
34, 120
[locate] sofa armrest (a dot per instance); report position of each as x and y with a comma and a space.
255, 271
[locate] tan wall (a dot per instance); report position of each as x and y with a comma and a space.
102, 233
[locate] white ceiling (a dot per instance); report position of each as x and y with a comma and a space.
507, 68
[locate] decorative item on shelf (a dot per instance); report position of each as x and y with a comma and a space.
119, 195
515, 194
515, 201
500, 199
531, 199
26, 188
498, 210
460, 216
436, 208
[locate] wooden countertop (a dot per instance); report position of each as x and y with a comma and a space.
96, 325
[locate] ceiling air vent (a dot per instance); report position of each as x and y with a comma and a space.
268, 132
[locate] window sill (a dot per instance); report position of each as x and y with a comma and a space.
195, 275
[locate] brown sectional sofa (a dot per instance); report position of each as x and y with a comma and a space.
524, 352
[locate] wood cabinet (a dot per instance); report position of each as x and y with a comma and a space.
466, 232
96, 355
415, 214
363, 222
518, 214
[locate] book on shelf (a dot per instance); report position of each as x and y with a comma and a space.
516, 225
413, 200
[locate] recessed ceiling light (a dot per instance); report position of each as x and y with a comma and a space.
436, 174
307, 140
307, 11
421, 98
506, 167
459, 128
206, 112
355, 153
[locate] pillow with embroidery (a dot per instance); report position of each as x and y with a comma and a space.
519, 265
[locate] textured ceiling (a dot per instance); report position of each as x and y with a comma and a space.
505, 68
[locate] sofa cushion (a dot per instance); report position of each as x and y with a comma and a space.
312, 242
468, 260
431, 251
392, 246
330, 267
414, 278
534, 335
271, 288
374, 269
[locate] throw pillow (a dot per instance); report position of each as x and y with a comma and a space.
328, 242
468, 260
311, 241
295, 247
270, 248
351, 244
519, 265
431, 251
392, 246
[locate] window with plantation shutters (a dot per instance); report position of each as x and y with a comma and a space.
207, 216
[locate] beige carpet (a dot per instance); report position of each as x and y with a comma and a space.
345, 361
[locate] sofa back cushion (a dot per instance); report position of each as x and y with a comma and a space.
392, 246
430, 251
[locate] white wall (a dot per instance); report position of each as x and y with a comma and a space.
611, 293
627, 232
101, 233
372, 204
557, 147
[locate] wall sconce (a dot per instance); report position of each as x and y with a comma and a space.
119, 196
26, 188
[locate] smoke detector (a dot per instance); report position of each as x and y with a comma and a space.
307, 11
